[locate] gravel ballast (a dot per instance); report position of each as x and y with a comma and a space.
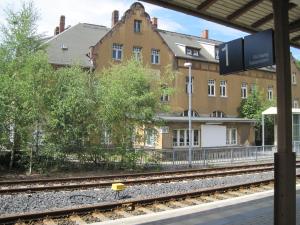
41, 201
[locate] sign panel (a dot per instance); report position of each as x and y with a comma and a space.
231, 56
258, 50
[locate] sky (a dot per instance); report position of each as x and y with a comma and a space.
99, 12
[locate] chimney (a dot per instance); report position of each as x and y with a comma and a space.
62, 24
114, 17
56, 31
154, 22
204, 34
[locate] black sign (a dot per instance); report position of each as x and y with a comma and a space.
231, 56
258, 50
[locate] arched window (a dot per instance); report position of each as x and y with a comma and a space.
218, 114
186, 113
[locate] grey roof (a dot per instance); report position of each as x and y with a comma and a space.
177, 43
72, 45
205, 119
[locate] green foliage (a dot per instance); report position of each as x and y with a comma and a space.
298, 63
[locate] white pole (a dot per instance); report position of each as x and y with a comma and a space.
189, 65
263, 132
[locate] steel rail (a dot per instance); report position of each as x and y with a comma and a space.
133, 182
12, 218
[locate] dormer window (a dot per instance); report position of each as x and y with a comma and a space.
192, 51
216, 53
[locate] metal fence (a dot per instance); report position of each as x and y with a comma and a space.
213, 156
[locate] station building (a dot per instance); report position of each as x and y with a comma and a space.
215, 99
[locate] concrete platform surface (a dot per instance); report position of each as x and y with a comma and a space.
253, 209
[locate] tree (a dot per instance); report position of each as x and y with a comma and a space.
24, 68
130, 99
298, 63
252, 108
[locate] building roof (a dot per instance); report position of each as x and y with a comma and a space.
205, 119
72, 45
177, 43
248, 15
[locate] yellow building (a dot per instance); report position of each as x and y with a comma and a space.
215, 98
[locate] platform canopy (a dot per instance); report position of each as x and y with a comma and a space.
247, 15
273, 111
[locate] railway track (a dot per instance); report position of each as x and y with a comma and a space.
9, 187
119, 209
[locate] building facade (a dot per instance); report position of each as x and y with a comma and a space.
215, 99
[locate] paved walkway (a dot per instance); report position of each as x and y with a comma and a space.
255, 209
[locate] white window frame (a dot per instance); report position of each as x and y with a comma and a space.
155, 56
294, 79
150, 139
230, 138
244, 91
216, 53
185, 141
137, 53
295, 104
165, 96
137, 26
107, 140
187, 85
223, 88
270, 93
211, 88
117, 51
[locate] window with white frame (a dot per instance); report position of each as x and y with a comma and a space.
223, 91
211, 87
186, 113
294, 80
216, 53
181, 138
218, 114
137, 53
106, 137
137, 26
244, 90
165, 96
187, 84
295, 104
117, 51
231, 136
270, 93
150, 137
155, 58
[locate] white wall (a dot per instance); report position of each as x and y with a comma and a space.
213, 135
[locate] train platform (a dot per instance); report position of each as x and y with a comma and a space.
252, 209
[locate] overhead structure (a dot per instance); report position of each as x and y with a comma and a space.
246, 15
253, 16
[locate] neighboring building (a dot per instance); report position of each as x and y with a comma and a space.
215, 99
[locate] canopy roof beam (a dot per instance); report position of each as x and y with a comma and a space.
244, 9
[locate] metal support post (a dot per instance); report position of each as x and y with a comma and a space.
285, 179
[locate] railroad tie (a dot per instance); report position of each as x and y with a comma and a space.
194, 200
163, 207
234, 193
180, 204
209, 198
100, 216
77, 220
49, 222
123, 213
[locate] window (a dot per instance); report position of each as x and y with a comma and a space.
117, 51
223, 84
186, 113
137, 53
106, 137
211, 87
295, 104
218, 114
155, 56
137, 26
231, 136
165, 96
216, 53
192, 51
150, 137
244, 90
270, 93
181, 138
187, 84
252, 88
294, 80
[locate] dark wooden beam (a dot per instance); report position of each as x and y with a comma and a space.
294, 26
269, 17
206, 4
244, 9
